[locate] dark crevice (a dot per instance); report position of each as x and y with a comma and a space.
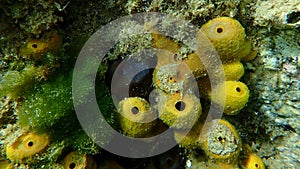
293, 17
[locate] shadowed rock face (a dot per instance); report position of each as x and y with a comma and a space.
137, 84
169, 160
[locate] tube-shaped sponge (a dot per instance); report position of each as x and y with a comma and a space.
228, 37
179, 111
251, 160
26, 146
75, 160
136, 116
236, 96
221, 141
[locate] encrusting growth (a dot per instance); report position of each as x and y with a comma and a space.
221, 142
35, 49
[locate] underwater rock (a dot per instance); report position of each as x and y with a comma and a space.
281, 14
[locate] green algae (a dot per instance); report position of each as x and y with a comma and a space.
47, 104
20, 83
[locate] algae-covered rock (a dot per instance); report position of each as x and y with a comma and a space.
34, 79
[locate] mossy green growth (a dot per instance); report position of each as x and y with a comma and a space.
81, 142
12, 81
50, 157
47, 104
51, 104
78, 139
50, 107
106, 105
19, 83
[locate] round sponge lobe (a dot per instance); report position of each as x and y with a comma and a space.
228, 37
251, 160
179, 111
233, 71
26, 146
136, 117
221, 141
75, 160
189, 138
195, 64
236, 96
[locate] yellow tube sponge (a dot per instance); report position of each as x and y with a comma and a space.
136, 117
195, 65
236, 96
251, 160
162, 42
221, 142
6, 164
75, 160
228, 37
179, 111
171, 78
169, 49
234, 71
169, 55
221, 165
26, 146
36, 48
189, 139
247, 56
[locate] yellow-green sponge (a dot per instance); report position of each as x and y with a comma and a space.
136, 117
236, 96
228, 37
179, 111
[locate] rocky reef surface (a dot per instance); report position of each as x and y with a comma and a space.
40, 41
